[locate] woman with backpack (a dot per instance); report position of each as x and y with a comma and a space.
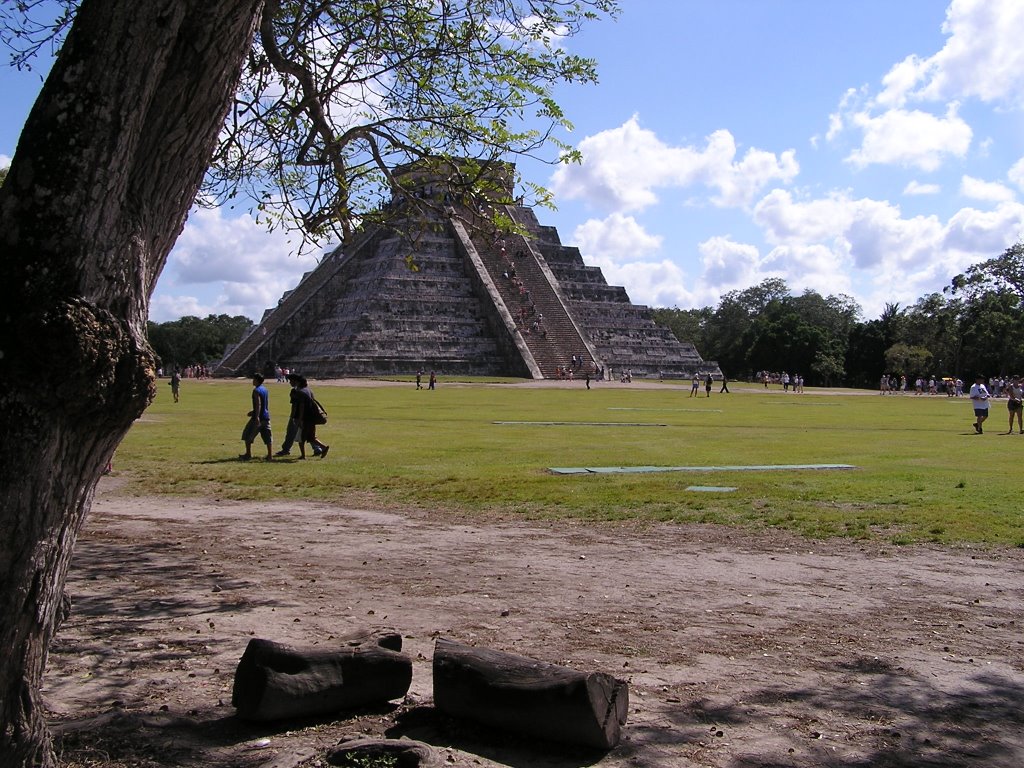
309, 415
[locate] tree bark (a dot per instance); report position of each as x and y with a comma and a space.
107, 166
277, 682
528, 696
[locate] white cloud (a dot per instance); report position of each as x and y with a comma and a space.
991, 191
728, 265
624, 167
165, 307
785, 221
863, 231
812, 265
213, 248
1016, 174
231, 266
653, 283
616, 239
910, 138
847, 106
899, 81
915, 187
869, 249
982, 58
5, 161
979, 235
879, 236
927, 111
837, 244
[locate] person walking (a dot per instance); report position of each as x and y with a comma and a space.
259, 420
695, 386
1015, 404
979, 399
294, 432
432, 384
725, 385
307, 418
175, 384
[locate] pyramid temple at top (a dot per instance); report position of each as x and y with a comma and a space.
436, 288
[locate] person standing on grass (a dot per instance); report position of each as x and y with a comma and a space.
307, 413
707, 384
294, 432
1015, 403
259, 420
175, 384
695, 386
979, 399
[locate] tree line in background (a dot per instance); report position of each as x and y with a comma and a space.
193, 340
972, 326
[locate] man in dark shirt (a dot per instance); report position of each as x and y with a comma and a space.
306, 417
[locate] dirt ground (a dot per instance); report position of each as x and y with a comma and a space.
740, 649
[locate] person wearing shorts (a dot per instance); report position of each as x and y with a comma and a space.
259, 420
979, 399
1015, 404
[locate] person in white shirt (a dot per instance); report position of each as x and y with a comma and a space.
979, 399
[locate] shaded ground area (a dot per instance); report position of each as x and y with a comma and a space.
741, 649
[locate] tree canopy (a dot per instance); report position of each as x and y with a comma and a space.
191, 340
1003, 274
334, 96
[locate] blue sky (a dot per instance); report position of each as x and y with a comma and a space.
871, 148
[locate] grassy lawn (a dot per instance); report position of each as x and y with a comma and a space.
921, 472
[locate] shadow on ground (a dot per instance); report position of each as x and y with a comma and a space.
917, 726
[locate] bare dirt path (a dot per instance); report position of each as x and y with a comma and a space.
741, 649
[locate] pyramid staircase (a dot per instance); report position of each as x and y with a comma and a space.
538, 309
433, 290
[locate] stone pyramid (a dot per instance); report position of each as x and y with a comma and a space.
435, 289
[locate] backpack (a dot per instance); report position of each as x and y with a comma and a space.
320, 413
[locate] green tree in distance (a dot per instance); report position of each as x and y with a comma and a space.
191, 340
971, 326
728, 332
905, 360
998, 275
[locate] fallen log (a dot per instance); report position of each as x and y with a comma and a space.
530, 697
276, 682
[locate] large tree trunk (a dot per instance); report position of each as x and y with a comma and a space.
107, 166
